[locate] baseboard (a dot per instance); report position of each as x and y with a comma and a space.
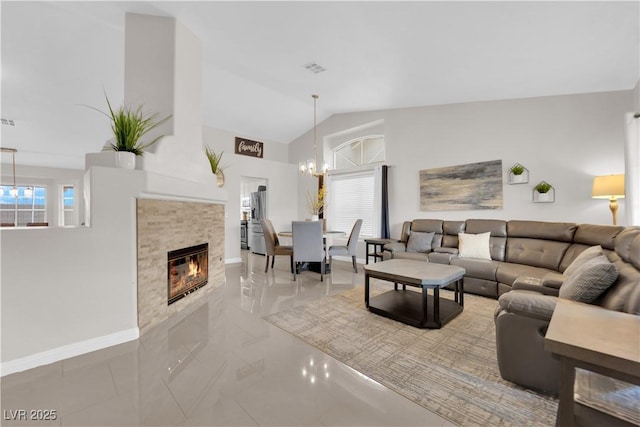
67, 351
232, 260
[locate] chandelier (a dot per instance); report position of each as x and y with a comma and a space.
13, 192
310, 167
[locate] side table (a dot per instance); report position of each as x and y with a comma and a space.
592, 338
378, 246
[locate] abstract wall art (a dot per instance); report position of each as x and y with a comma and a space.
462, 187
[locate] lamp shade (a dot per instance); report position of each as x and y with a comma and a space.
607, 186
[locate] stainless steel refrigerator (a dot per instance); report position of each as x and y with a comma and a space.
258, 212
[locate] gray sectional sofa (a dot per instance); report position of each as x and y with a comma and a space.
525, 272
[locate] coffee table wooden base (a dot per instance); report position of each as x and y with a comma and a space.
407, 307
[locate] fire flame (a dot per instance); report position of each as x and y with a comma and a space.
194, 268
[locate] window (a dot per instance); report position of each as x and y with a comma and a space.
351, 197
360, 151
67, 206
354, 187
23, 209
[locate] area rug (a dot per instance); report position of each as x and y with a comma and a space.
451, 371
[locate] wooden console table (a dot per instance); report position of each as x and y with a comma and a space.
592, 338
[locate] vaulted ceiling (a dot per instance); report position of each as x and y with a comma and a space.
59, 56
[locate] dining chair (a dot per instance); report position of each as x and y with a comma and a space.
273, 246
351, 246
308, 244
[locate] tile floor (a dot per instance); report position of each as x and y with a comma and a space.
218, 363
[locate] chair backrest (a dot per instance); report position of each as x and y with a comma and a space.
307, 241
269, 236
352, 243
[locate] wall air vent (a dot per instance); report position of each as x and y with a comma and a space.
315, 68
7, 122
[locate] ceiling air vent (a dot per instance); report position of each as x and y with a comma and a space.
315, 68
7, 122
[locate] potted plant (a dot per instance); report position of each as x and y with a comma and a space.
315, 202
543, 188
517, 173
129, 125
215, 162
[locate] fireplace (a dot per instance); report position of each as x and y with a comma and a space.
187, 270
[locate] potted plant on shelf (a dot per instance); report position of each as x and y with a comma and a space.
129, 125
215, 162
315, 202
543, 188
517, 173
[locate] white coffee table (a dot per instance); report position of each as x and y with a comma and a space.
414, 308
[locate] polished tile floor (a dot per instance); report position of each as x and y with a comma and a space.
218, 363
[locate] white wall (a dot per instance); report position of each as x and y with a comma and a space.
64, 288
281, 184
565, 140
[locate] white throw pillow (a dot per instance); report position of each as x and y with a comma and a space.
474, 245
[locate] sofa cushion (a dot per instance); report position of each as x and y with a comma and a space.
558, 231
624, 294
584, 256
477, 268
589, 280
474, 245
418, 256
419, 241
509, 272
592, 234
536, 252
451, 230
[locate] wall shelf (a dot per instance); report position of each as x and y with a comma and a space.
523, 178
548, 197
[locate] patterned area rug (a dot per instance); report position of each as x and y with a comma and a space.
452, 371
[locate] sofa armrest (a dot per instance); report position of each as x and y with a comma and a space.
528, 304
395, 247
553, 280
525, 283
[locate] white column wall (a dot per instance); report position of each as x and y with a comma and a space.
70, 290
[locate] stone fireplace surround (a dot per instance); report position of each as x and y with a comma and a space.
166, 225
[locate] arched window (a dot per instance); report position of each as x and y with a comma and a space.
360, 151
353, 185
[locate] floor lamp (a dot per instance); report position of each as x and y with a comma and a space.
609, 187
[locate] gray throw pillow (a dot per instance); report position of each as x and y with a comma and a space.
589, 280
583, 257
419, 241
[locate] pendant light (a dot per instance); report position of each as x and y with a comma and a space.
310, 166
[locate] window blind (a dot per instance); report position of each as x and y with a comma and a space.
351, 197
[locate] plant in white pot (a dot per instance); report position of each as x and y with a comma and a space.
517, 174
129, 125
543, 188
315, 202
215, 160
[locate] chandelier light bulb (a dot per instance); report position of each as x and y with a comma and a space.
28, 192
13, 192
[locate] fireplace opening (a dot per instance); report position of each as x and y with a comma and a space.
188, 270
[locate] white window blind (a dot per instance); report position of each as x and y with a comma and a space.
351, 197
